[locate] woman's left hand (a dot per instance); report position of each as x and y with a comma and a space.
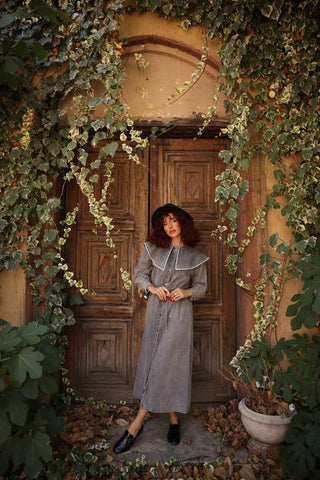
179, 294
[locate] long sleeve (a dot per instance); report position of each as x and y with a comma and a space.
199, 282
142, 272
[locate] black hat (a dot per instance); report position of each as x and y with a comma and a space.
168, 208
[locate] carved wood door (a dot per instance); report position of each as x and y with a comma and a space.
104, 343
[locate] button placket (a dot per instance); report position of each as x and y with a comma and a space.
155, 344
164, 310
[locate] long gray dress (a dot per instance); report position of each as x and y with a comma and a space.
163, 377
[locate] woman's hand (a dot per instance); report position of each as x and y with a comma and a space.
161, 292
179, 294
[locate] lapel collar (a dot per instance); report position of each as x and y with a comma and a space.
187, 257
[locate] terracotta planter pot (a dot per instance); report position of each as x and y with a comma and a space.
265, 430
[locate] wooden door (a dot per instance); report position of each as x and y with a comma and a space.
104, 343
184, 172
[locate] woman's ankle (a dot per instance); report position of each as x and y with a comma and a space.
134, 428
174, 418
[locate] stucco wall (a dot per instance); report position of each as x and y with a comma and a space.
275, 223
173, 55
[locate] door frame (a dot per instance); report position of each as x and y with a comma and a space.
142, 230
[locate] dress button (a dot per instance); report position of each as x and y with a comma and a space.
170, 269
166, 284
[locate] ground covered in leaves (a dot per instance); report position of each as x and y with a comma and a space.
87, 431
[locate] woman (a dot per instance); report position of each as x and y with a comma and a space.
171, 273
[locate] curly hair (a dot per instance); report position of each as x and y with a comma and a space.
189, 233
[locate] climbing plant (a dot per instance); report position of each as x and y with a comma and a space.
52, 52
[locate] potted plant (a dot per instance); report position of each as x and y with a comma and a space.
275, 384
257, 376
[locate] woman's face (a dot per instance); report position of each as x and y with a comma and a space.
172, 227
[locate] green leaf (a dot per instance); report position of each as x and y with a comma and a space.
304, 317
52, 270
232, 213
83, 157
26, 361
50, 362
274, 239
94, 178
226, 155
6, 19
265, 258
9, 338
12, 401
109, 149
292, 310
316, 303
30, 333
296, 323
30, 388
3, 224
76, 300
282, 248
12, 64
49, 236
32, 451
48, 384
44, 10
167, 7
153, 4
97, 137
54, 423
234, 191
278, 174
5, 426
94, 102
309, 320
97, 124
72, 145
95, 164
244, 162
38, 50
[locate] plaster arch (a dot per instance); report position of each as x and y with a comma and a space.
147, 91
170, 63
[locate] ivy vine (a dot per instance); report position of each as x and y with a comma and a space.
51, 52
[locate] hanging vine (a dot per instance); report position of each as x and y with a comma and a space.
51, 52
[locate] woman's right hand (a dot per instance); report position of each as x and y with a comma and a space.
161, 292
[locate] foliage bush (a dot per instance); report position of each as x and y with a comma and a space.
28, 366
301, 453
269, 75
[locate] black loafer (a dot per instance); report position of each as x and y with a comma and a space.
125, 442
174, 434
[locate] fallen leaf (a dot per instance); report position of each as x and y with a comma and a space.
227, 453
196, 412
187, 441
208, 475
220, 472
161, 470
122, 422
188, 470
228, 465
247, 473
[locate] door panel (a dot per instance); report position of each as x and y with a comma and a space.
187, 171
105, 341
102, 344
